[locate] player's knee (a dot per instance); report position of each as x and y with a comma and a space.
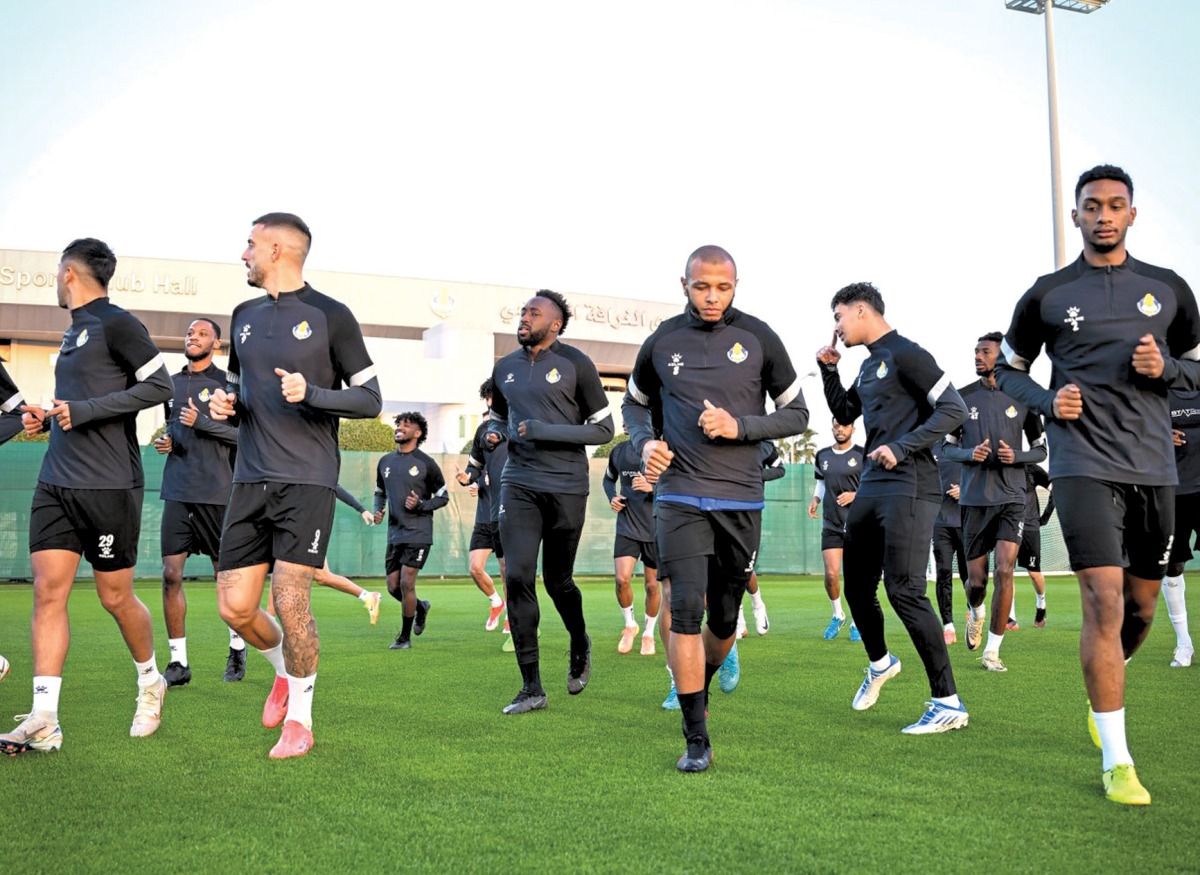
722, 627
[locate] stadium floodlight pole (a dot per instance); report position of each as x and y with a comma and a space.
1043, 7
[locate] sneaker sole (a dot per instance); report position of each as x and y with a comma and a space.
938, 729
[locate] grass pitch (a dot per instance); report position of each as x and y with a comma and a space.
415, 768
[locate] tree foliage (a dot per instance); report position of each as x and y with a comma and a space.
368, 435
605, 450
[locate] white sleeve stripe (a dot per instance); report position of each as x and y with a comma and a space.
493, 416
12, 403
1041, 441
1014, 360
149, 368
636, 394
788, 395
598, 416
472, 461
938, 388
231, 377
441, 491
1192, 354
951, 439
363, 376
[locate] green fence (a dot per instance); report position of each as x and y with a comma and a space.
791, 542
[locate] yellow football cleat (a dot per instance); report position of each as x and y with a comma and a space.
1093, 729
1121, 785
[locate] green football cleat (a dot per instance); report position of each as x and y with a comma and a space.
1121, 785
1093, 729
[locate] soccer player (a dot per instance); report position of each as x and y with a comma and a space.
196, 480
948, 541
88, 500
634, 507
992, 497
1119, 333
705, 375
837, 472
11, 401
483, 471
297, 362
1029, 556
907, 404
1185, 426
410, 485
549, 405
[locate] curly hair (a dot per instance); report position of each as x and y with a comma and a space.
416, 418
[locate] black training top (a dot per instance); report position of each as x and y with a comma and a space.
907, 404
636, 521
309, 333
199, 468
735, 364
839, 471
108, 369
10, 407
485, 466
559, 395
1185, 416
994, 416
1089, 319
399, 474
949, 474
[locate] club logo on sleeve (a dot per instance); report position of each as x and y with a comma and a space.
737, 354
82, 338
205, 394
1073, 318
245, 332
676, 363
301, 331
882, 370
1011, 412
414, 471
852, 462
1149, 306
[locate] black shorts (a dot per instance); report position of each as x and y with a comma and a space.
1187, 525
1117, 524
101, 524
832, 539
713, 555
1029, 556
269, 521
647, 551
483, 537
982, 527
406, 556
191, 528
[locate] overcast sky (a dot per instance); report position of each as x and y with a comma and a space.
589, 147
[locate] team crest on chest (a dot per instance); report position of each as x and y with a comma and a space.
82, 339
302, 331
1011, 412
852, 463
882, 370
737, 354
205, 394
554, 376
1149, 306
414, 471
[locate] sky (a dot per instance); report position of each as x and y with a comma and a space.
590, 147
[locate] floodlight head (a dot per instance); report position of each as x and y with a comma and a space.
1037, 7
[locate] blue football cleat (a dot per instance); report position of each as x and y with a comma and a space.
730, 671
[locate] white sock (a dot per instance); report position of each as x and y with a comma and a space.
1012, 613
1041, 600
1173, 591
363, 596
979, 613
949, 701
147, 671
236, 641
178, 650
948, 627
756, 600
45, 694
650, 623
300, 696
881, 664
1111, 725
275, 657
628, 614
837, 608
495, 599
993, 643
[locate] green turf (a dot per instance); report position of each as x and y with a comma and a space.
415, 767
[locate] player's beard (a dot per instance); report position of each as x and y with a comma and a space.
254, 277
533, 338
196, 356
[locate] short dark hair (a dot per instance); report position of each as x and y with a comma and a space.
843, 424
856, 292
213, 322
558, 301
417, 419
1104, 171
992, 336
95, 255
486, 389
286, 220
709, 254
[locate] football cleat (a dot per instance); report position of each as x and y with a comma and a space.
148, 715
1039, 618
741, 625
627, 635
647, 645
1183, 656
235, 665
579, 669
671, 702
34, 732
974, 630
401, 643
698, 756
761, 624
1121, 785
422, 614
275, 708
493, 619
991, 661
296, 741
372, 604
937, 718
730, 671
1093, 729
855, 635
868, 693
835, 626
3, 668
177, 674
508, 646
527, 700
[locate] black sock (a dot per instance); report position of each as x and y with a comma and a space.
532, 676
709, 671
695, 725
406, 629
